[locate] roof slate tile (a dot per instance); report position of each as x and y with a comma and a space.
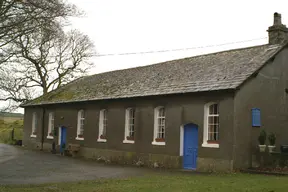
216, 71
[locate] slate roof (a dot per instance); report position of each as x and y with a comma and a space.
216, 71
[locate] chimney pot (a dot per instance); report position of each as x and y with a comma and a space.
277, 19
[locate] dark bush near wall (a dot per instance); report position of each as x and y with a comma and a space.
279, 159
284, 149
272, 160
18, 142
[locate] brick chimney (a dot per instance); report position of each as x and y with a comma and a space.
278, 33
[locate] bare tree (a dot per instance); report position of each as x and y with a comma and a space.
13, 90
44, 66
48, 60
35, 53
19, 17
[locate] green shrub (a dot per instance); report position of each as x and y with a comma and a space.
262, 137
272, 139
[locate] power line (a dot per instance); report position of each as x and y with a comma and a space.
179, 49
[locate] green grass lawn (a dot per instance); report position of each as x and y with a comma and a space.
166, 182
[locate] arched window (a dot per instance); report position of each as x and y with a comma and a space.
129, 126
211, 125
102, 126
80, 125
50, 126
34, 125
159, 126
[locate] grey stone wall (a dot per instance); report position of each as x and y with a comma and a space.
214, 165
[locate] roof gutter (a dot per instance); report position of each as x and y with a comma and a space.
128, 97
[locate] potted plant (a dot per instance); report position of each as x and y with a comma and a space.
51, 134
262, 140
102, 137
272, 140
131, 138
160, 140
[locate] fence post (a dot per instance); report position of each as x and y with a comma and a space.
12, 134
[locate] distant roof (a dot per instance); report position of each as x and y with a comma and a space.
216, 71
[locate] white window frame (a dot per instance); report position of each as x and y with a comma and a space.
129, 125
51, 127
34, 124
102, 125
206, 127
156, 125
80, 122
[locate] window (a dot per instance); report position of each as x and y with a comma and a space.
129, 126
256, 117
34, 124
102, 126
51, 126
159, 126
80, 125
211, 125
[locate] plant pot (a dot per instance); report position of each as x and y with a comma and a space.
130, 138
160, 140
271, 148
102, 137
262, 148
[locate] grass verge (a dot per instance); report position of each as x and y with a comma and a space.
167, 182
6, 129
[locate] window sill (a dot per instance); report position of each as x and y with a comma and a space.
210, 145
128, 141
79, 138
102, 140
33, 136
50, 137
158, 143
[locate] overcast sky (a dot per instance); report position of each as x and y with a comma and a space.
150, 25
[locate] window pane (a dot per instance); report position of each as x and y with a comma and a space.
51, 122
160, 123
104, 114
210, 120
161, 112
131, 115
104, 122
34, 123
82, 114
104, 131
216, 119
213, 132
213, 109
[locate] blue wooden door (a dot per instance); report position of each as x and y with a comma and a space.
63, 139
190, 147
